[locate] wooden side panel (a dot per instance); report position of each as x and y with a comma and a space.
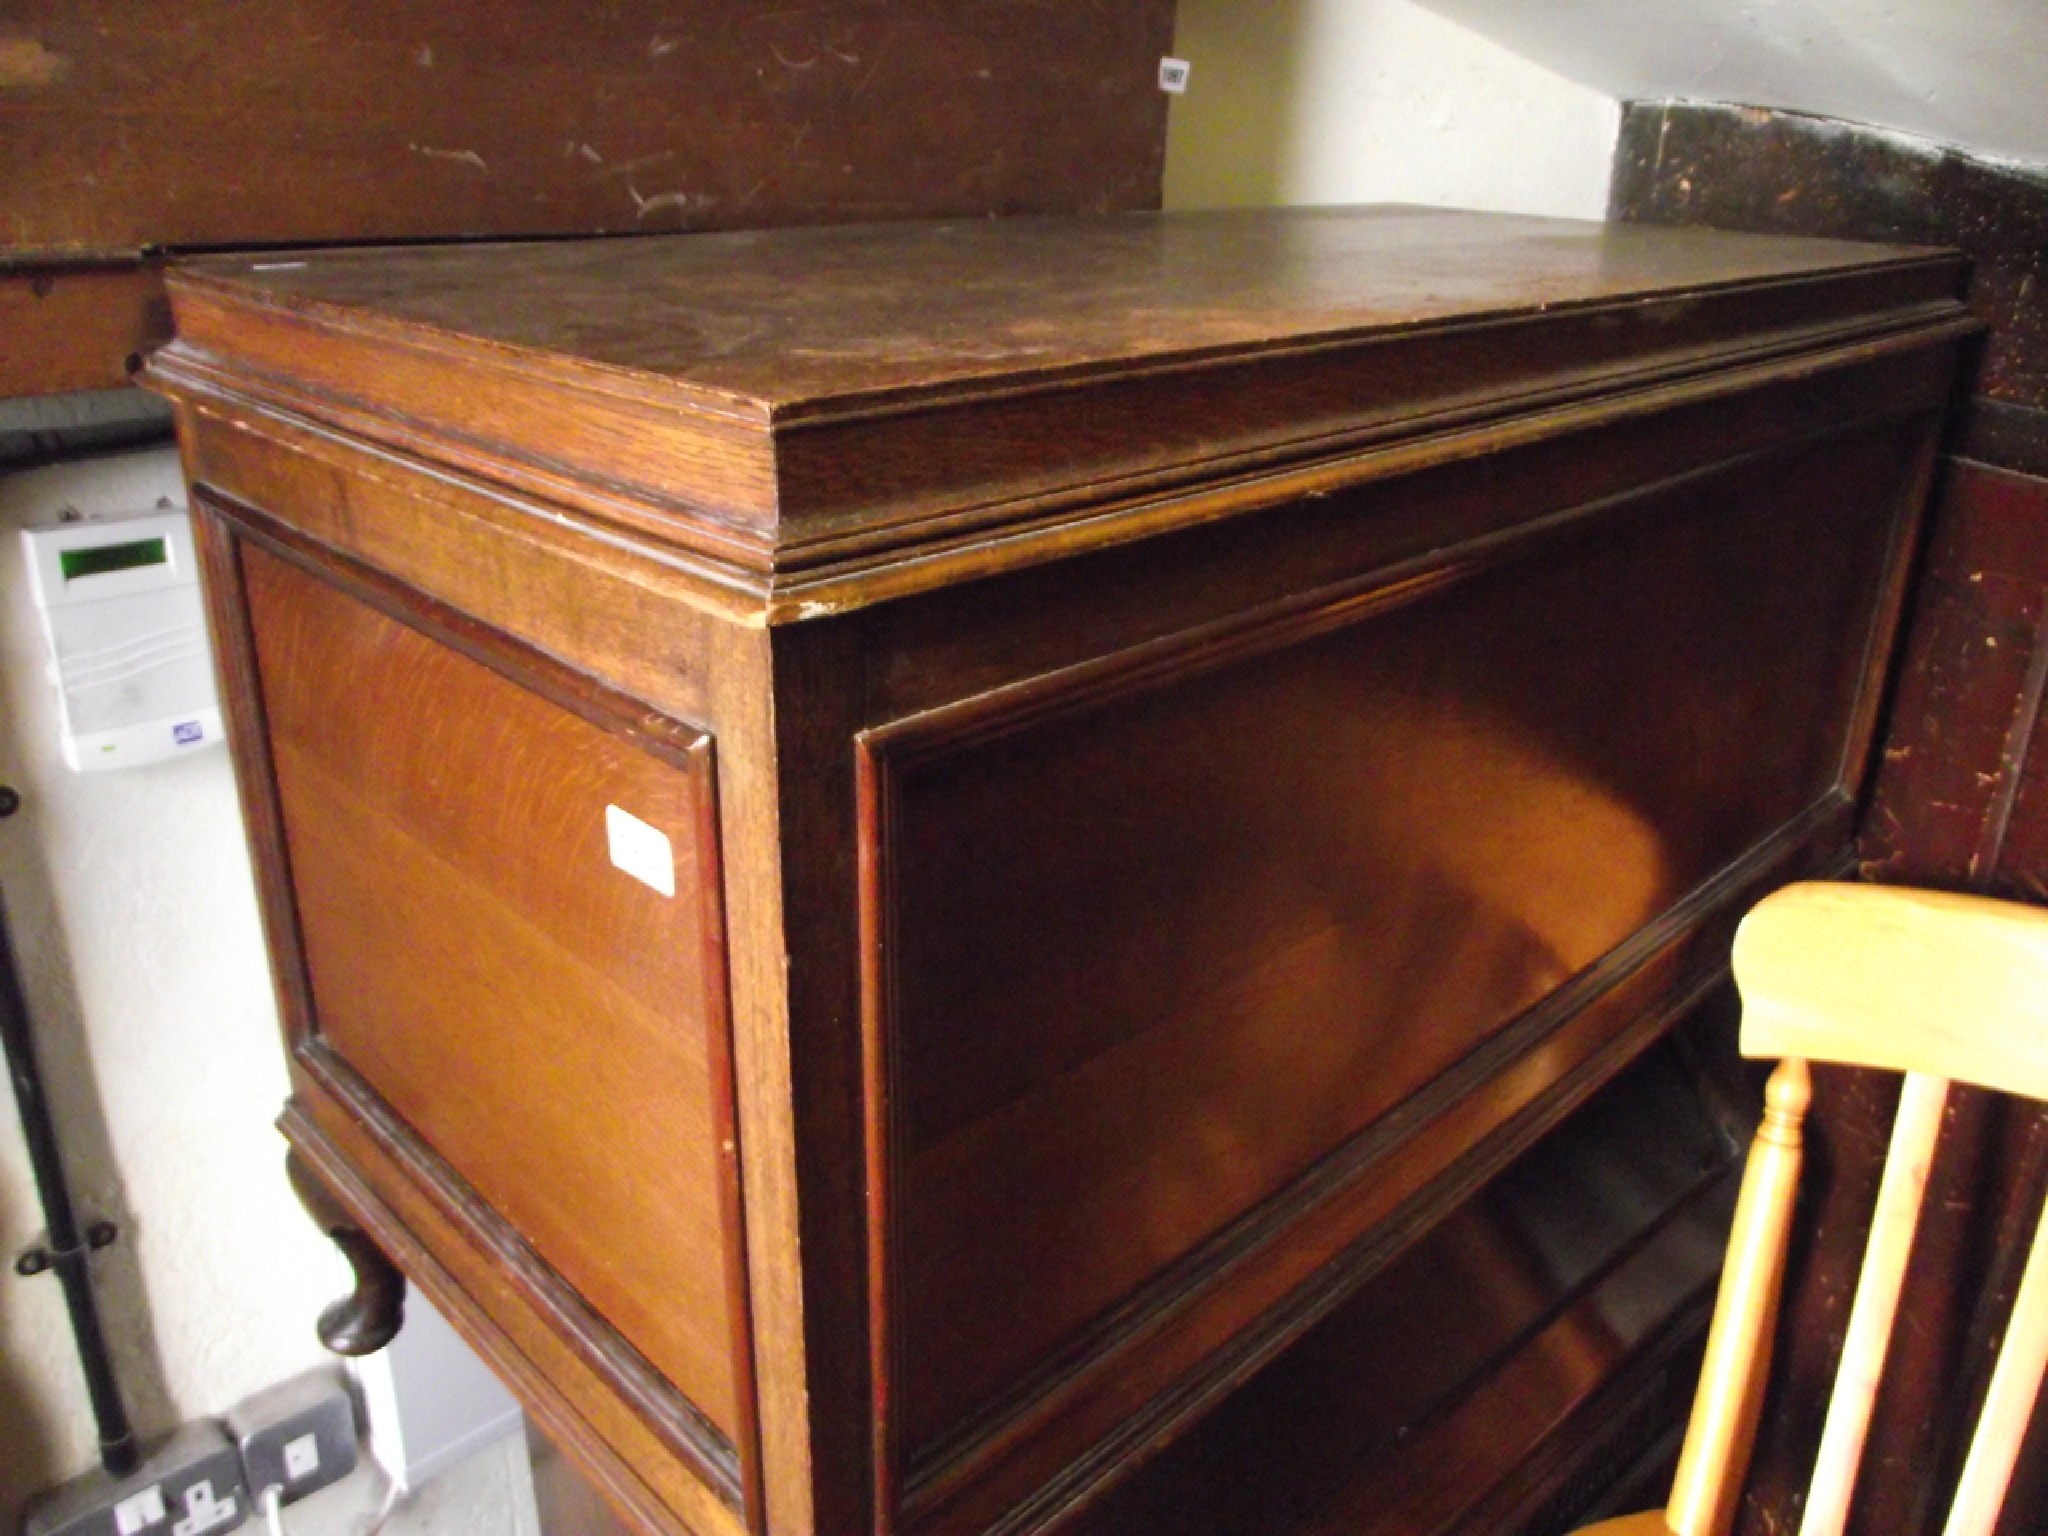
473, 952
2012, 847
1154, 938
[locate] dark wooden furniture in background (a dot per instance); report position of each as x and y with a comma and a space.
354, 120
1959, 803
1165, 758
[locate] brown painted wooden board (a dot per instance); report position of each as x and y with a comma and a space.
1951, 792
1959, 804
209, 123
69, 327
1714, 166
132, 129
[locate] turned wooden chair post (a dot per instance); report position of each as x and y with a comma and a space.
1724, 1422
1940, 988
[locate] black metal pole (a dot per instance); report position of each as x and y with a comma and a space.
68, 1254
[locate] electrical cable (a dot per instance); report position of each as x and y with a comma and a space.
392, 1491
273, 1508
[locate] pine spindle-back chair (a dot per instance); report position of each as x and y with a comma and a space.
1942, 988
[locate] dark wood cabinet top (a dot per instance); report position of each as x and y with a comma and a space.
815, 418
793, 322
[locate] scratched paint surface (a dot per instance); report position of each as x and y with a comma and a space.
212, 122
1731, 167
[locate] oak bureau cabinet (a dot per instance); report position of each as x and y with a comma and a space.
894, 856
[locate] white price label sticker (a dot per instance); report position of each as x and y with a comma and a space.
642, 851
1173, 75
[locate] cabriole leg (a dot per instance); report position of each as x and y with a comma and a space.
368, 1318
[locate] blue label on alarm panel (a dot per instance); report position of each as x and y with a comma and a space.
185, 732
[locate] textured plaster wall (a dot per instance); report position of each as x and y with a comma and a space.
1968, 74
1341, 101
135, 923
134, 918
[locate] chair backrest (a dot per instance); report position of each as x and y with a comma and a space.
1941, 988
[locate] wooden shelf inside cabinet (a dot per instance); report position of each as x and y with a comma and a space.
897, 857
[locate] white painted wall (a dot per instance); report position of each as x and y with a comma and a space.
1965, 72
134, 918
135, 922
1344, 101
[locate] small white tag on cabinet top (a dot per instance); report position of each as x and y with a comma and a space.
641, 851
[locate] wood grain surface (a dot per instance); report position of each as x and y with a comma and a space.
1155, 947
802, 410
1740, 168
1513, 1323
806, 321
397, 119
1934, 983
130, 130
475, 955
72, 327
